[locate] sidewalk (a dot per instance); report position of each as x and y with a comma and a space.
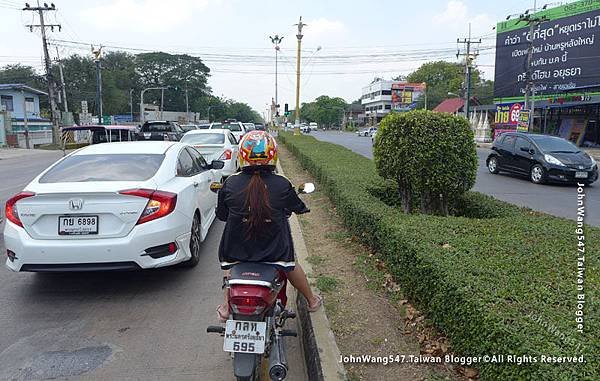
12, 153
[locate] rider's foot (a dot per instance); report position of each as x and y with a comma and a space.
222, 313
315, 304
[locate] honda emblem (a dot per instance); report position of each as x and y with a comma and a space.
75, 204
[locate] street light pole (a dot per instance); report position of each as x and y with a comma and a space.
299, 37
276, 40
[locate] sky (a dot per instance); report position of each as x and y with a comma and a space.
345, 45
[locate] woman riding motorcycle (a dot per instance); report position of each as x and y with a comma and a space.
255, 204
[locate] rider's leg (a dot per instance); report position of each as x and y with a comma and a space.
223, 309
297, 278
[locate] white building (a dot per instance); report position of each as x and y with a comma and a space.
377, 100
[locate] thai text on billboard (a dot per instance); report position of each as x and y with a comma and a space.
565, 51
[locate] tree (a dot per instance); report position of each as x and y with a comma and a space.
324, 110
444, 77
180, 71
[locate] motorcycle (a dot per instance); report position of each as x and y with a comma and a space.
254, 332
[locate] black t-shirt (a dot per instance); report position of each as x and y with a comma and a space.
276, 245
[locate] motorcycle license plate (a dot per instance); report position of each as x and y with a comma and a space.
245, 336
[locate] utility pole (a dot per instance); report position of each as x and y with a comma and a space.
162, 101
533, 22
25, 119
97, 54
299, 36
469, 58
187, 106
131, 103
55, 114
62, 80
276, 40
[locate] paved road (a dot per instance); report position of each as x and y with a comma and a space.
558, 200
146, 325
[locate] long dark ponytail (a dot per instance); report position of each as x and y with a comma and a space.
259, 206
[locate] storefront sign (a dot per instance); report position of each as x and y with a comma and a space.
565, 47
524, 120
507, 114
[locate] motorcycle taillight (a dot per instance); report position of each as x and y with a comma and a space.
247, 305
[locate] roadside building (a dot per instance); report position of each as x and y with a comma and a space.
20, 105
376, 100
562, 78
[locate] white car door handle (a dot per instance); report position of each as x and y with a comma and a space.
195, 184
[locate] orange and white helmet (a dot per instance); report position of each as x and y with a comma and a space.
257, 148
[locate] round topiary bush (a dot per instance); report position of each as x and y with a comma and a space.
431, 156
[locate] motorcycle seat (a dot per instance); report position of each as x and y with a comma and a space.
254, 273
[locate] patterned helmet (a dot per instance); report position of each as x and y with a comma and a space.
257, 148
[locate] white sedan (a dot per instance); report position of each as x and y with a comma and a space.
113, 206
216, 144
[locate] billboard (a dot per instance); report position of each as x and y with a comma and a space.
566, 47
406, 95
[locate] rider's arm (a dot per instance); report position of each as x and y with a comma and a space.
222, 208
292, 202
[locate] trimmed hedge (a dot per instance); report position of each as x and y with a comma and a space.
407, 150
503, 283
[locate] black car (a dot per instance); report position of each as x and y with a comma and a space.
542, 158
160, 130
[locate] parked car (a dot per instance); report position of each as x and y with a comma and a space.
113, 206
160, 130
313, 126
249, 126
542, 158
188, 127
216, 144
366, 131
237, 128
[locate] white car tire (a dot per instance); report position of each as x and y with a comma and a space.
195, 242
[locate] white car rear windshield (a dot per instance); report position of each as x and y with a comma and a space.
104, 167
203, 139
231, 127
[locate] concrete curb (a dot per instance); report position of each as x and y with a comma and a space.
321, 352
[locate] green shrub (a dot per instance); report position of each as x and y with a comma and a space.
431, 156
500, 285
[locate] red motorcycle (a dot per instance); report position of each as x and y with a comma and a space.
257, 314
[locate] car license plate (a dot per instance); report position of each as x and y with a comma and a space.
245, 336
77, 225
581, 175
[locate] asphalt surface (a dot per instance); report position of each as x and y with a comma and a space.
556, 199
144, 325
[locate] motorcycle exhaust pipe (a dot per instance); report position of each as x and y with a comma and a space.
277, 360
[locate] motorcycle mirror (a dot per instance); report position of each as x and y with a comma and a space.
306, 188
215, 187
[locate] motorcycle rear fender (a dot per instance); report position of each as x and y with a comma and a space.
244, 364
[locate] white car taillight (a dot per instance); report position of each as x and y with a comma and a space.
226, 155
160, 203
10, 209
